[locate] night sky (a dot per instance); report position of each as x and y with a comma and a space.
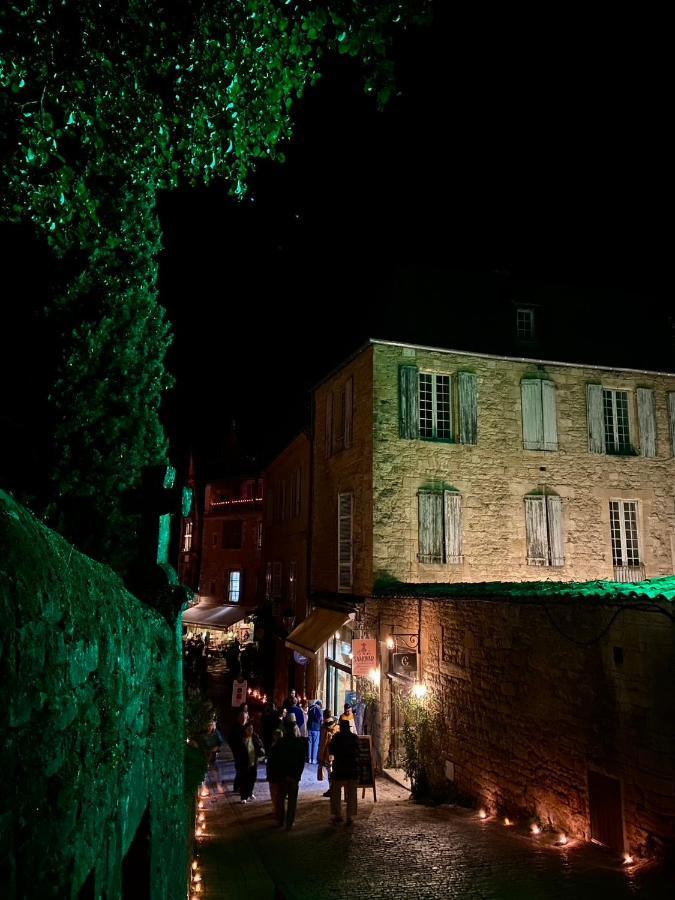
524, 150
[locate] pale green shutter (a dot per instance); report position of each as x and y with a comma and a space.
535, 525
409, 423
533, 418
431, 539
345, 538
556, 538
671, 410
647, 421
453, 527
349, 411
548, 403
468, 408
596, 418
329, 425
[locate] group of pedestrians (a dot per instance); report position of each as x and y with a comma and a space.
328, 743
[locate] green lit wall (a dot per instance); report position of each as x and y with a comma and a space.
90, 724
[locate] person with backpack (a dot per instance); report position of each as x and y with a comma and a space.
314, 720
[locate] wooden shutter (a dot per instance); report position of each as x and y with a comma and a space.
349, 411
537, 538
671, 410
548, 403
596, 418
453, 527
647, 421
556, 538
533, 414
409, 421
431, 539
345, 528
468, 407
329, 424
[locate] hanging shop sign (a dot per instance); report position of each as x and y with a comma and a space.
404, 663
364, 656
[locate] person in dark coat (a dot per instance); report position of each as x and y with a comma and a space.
250, 751
344, 749
287, 758
236, 739
314, 720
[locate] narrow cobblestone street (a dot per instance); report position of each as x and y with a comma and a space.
396, 849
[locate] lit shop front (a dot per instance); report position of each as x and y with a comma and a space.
325, 637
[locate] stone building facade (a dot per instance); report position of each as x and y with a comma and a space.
285, 560
441, 469
497, 470
231, 550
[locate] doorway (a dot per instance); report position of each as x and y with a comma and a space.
136, 864
606, 814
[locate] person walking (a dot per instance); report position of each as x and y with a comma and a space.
329, 727
236, 740
250, 750
344, 749
314, 719
287, 759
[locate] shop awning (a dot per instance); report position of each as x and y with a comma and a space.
206, 615
314, 631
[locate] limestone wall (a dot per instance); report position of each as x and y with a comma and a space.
495, 474
90, 725
529, 711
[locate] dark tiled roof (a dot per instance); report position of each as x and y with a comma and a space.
654, 589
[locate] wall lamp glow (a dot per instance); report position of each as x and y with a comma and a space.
419, 690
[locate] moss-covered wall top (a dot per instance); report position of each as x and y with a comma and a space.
90, 724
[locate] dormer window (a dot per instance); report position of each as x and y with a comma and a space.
525, 325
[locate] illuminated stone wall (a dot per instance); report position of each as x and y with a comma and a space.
528, 711
494, 475
344, 471
91, 725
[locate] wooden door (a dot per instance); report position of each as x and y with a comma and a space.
604, 800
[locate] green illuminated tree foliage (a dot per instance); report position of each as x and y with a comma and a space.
104, 103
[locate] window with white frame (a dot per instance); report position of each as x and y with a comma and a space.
292, 581
525, 324
623, 522
234, 586
612, 427
434, 406
187, 537
276, 579
617, 429
438, 406
345, 542
440, 527
544, 527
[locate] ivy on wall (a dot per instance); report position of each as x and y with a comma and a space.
103, 105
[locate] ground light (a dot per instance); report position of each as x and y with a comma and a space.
482, 814
535, 829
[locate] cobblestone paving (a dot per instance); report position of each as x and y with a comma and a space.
396, 849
